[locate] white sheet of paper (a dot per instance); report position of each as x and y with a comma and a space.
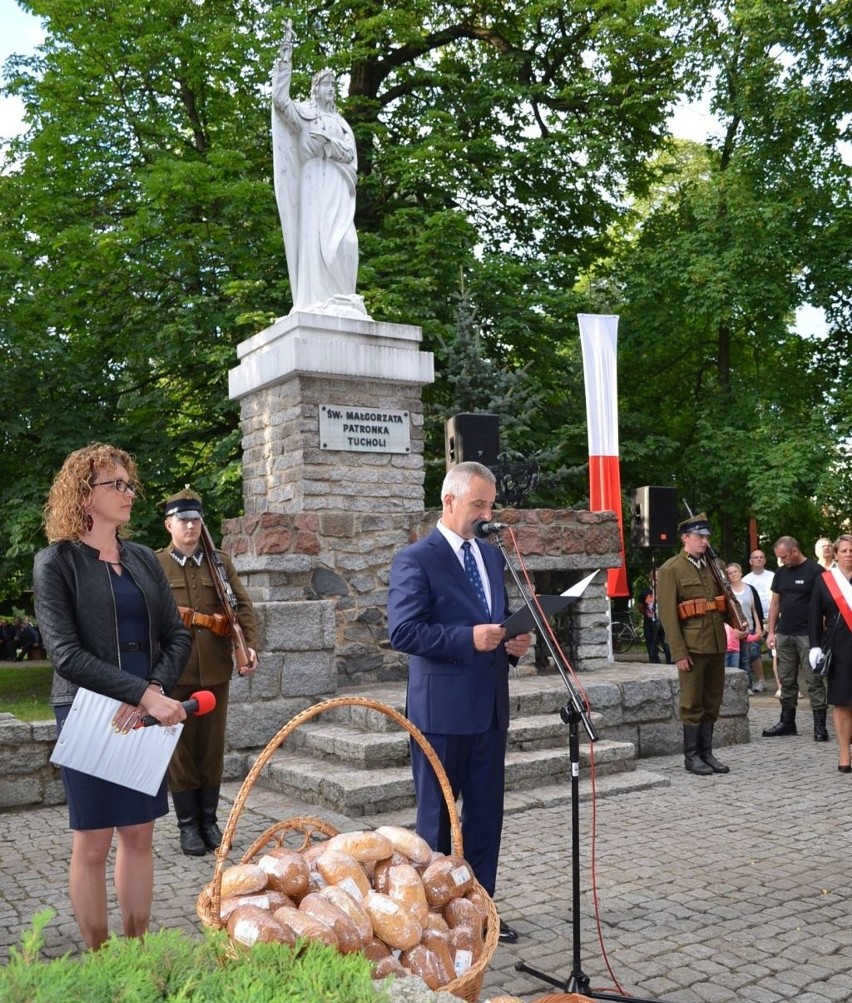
88, 743
580, 587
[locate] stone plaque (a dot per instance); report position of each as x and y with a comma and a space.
364, 429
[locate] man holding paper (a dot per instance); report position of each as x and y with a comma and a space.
446, 603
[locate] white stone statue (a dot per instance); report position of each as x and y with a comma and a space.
315, 165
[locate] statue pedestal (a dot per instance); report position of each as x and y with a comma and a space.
324, 514
304, 362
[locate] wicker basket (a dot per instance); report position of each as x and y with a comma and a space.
307, 829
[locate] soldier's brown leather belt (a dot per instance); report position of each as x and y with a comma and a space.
700, 607
216, 623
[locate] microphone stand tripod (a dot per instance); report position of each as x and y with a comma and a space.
572, 713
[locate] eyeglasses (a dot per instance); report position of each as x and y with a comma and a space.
122, 487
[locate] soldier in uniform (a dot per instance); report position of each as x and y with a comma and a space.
691, 611
195, 771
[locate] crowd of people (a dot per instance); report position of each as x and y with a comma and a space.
20, 639
802, 612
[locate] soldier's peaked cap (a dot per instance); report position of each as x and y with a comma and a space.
695, 524
185, 504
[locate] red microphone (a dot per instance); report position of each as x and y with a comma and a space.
199, 703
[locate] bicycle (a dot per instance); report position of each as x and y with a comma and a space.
624, 633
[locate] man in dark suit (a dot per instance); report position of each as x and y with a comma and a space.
446, 601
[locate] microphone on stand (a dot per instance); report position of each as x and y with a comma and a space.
481, 528
201, 702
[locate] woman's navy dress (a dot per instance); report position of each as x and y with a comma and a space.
100, 804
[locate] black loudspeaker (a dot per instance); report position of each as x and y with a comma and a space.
655, 520
472, 437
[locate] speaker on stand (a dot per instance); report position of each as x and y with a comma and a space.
654, 522
472, 437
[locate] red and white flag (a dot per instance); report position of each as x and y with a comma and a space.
599, 339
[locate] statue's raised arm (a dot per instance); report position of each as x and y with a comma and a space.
315, 169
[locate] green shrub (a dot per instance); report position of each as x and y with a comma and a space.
170, 966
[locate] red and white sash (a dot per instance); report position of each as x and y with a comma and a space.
841, 592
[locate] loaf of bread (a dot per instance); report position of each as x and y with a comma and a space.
408, 843
391, 923
321, 909
447, 878
461, 911
420, 961
305, 926
389, 966
376, 949
439, 943
249, 925
362, 845
352, 908
436, 921
379, 878
287, 871
406, 887
242, 879
270, 900
338, 868
480, 901
466, 947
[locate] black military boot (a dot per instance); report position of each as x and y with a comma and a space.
692, 761
820, 730
186, 809
208, 801
786, 726
705, 748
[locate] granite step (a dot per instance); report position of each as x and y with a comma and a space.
339, 739
375, 790
549, 796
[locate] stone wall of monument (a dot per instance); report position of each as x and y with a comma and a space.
319, 583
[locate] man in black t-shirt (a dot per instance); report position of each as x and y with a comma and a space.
788, 635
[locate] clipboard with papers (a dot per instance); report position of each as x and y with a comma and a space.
89, 743
521, 621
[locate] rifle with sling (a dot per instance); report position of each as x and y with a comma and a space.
733, 611
227, 598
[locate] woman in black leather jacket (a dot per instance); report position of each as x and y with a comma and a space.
109, 624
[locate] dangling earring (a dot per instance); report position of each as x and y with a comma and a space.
89, 523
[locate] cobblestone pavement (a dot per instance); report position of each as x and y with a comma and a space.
713, 889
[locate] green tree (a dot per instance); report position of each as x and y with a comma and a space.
140, 241
726, 401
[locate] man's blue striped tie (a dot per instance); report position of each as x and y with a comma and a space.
474, 576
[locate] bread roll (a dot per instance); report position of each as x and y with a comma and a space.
390, 921
420, 961
436, 921
347, 904
406, 887
269, 900
362, 845
249, 925
408, 843
338, 868
447, 878
287, 871
242, 879
321, 909
305, 926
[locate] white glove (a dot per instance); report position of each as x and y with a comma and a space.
814, 655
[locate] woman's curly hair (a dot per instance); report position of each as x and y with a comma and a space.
65, 511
